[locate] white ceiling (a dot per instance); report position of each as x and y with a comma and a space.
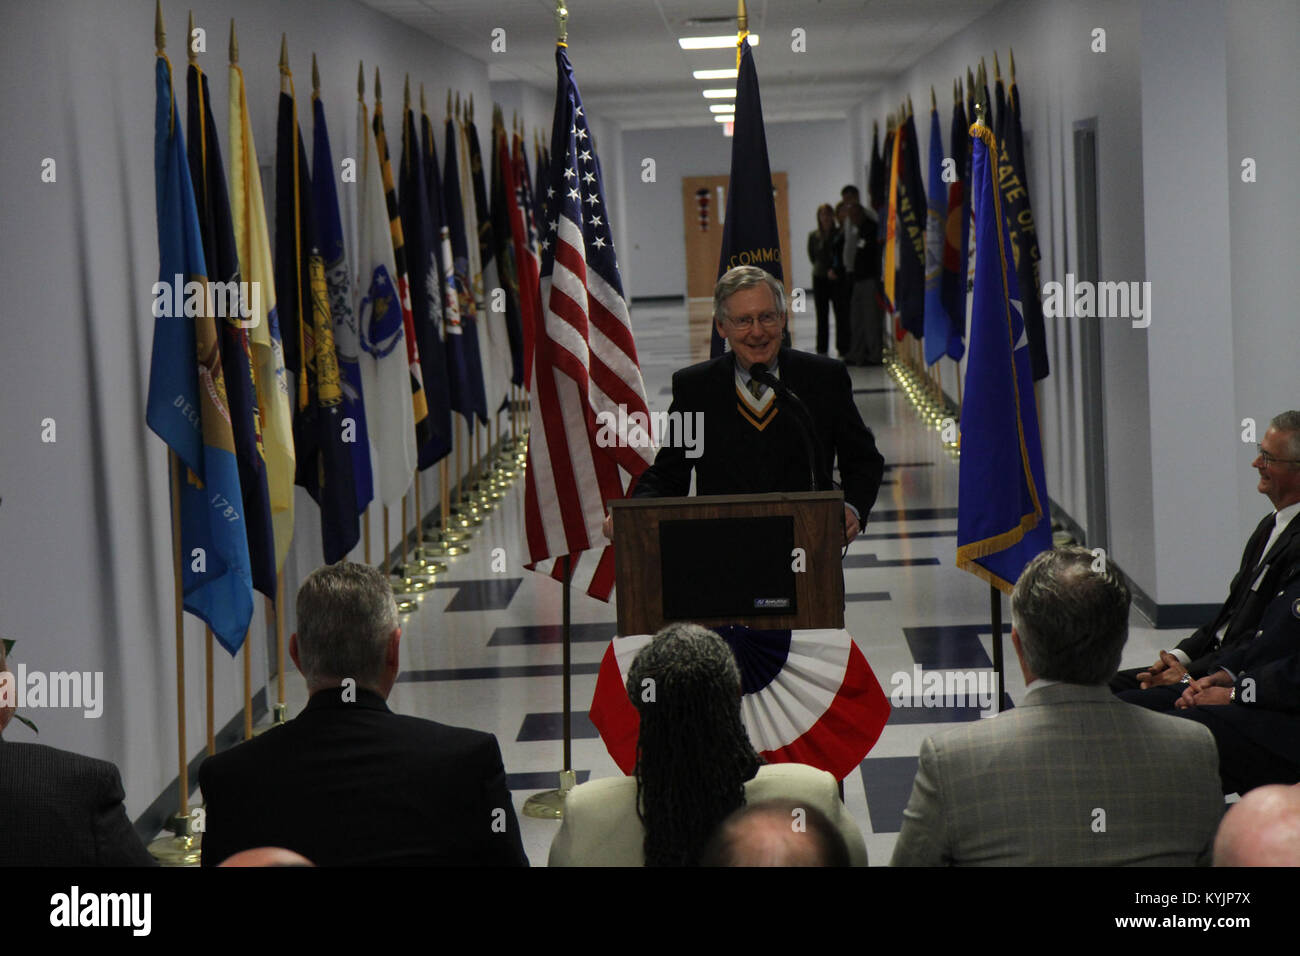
630, 68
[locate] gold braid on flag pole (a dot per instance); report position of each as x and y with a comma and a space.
742, 28
286, 79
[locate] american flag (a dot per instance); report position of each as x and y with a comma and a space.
585, 363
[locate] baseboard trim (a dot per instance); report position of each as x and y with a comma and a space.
1160, 616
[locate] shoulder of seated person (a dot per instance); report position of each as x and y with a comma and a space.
778, 773
602, 787
66, 761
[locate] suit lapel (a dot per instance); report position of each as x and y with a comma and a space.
1283, 540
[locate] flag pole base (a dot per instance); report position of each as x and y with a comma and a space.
183, 847
549, 804
402, 584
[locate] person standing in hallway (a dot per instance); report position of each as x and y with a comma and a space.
825, 244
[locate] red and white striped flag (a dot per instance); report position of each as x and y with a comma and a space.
585, 364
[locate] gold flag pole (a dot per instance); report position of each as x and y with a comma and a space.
183, 847
248, 685
208, 679
210, 705
361, 96
549, 804
281, 708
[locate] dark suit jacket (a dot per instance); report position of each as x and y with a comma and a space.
1268, 665
1246, 596
62, 809
738, 458
1266, 713
352, 783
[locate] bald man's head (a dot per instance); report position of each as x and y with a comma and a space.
1262, 829
266, 856
776, 833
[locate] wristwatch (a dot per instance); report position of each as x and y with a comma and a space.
1187, 679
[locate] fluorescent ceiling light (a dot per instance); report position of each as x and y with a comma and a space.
720, 94
715, 74
724, 119
722, 108
713, 43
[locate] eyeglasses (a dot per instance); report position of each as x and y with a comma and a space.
1268, 459
769, 320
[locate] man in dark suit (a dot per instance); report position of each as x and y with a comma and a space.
1252, 702
1271, 553
756, 439
348, 782
59, 808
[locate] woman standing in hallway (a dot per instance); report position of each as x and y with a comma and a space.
825, 246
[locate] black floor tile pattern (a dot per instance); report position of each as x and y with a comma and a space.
482, 594
904, 535
871, 561
953, 646
915, 514
551, 727
941, 715
494, 673
541, 779
867, 596
888, 783
552, 634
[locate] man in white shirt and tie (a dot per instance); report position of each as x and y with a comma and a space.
1270, 554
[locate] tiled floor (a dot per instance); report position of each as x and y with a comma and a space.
484, 649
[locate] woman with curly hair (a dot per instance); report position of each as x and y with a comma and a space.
694, 765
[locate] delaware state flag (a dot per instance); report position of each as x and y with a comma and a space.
807, 697
187, 405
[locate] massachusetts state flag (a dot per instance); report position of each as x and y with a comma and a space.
1003, 519
585, 364
187, 406
807, 697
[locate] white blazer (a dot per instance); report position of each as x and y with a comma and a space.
601, 828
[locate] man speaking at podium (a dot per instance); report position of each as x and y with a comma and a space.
775, 419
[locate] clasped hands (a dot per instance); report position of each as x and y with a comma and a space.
1213, 689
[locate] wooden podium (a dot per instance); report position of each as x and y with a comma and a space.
770, 561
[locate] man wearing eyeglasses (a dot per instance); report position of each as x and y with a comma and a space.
1270, 557
755, 440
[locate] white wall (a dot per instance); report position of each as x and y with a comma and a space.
816, 157
1263, 117
85, 545
1183, 92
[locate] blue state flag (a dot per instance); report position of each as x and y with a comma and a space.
469, 395
221, 258
939, 337
187, 405
749, 233
338, 282
1003, 518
